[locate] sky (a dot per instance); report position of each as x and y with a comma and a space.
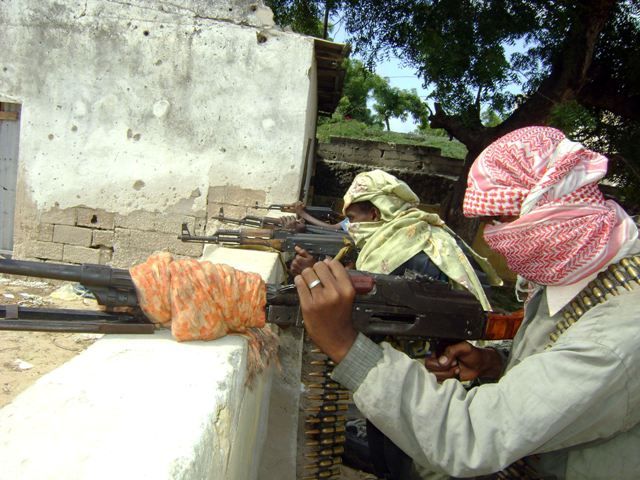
399, 76
404, 77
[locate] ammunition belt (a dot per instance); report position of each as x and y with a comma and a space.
326, 404
618, 277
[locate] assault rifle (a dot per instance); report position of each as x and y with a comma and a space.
274, 223
326, 214
318, 245
403, 307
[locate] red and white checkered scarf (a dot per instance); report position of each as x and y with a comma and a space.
566, 230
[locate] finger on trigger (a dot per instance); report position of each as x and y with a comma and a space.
303, 290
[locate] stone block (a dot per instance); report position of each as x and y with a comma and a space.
95, 218
103, 238
77, 254
125, 258
105, 255
171, 222
187, 248
44, 232
137, 240
43, 250
72, 235
230, 195
138, 220
59, 216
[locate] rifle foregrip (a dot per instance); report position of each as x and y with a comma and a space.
503, 326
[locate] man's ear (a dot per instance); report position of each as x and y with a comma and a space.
375, 214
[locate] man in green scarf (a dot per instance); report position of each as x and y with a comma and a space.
393, 235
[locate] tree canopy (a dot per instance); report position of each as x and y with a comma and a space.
574, 65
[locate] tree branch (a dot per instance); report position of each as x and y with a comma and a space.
569, 69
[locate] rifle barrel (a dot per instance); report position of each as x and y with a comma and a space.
87, 274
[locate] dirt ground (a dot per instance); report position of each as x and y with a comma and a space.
26, 356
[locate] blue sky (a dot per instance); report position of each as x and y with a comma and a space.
404, 77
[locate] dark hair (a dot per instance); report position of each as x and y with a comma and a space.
364, 206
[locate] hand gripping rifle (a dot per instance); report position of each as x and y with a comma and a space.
387, 305
319, 245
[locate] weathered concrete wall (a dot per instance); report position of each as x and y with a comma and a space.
151, 113
428, 173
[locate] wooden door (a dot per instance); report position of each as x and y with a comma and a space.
9, 137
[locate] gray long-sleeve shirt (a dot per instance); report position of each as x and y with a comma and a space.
577, 403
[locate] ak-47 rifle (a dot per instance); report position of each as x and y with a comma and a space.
274, 223
326, 214
251, 220
387, 305
319, 245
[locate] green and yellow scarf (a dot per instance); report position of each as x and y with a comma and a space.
405, 231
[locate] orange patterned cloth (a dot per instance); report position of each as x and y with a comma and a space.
199, 300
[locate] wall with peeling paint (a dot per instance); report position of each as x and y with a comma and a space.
153, 107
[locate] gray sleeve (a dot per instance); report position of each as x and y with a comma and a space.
444, 427
362, 357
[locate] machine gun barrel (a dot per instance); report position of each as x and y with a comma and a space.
405, 307
111, 286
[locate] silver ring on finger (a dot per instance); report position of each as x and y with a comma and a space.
315, 283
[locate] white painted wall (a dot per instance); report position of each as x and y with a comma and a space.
144, 104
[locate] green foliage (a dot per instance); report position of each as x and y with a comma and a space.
303, 16
458, 46
337, 127
361, 85
392, 102
496, 55
359, 82
609, 134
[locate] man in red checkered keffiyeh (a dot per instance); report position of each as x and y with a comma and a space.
565, 231
564, 404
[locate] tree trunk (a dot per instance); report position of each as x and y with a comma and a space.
325, 27
567, 77
451, 207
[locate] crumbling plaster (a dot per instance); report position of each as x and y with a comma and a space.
147, 105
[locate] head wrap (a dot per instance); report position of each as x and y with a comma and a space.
404, 231
389, 194
566, 230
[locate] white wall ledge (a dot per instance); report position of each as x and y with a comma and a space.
148, 407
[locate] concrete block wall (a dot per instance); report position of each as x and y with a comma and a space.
134, 108
87, 235
427, 160
425, 170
